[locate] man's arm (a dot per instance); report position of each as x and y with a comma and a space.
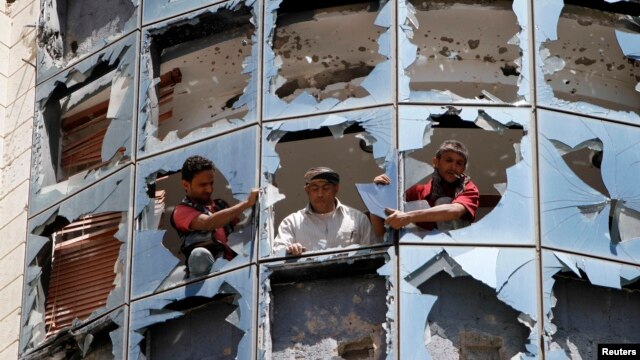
220, 218
445, 212
285, 238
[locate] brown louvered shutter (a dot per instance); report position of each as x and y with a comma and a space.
82, 269
168, 81
82, 137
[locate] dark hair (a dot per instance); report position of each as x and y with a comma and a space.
195, 164
455, 146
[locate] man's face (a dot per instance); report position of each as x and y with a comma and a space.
450, 165
201, 186
322, 195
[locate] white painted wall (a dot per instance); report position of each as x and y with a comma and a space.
17, 81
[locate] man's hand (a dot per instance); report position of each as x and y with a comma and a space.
397, 219
382, 179
253, 197
295, 249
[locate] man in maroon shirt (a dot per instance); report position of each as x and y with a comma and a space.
452, 196
203, 224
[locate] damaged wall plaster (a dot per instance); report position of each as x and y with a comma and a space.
511, 272
290, 52
70, 29
298, 319
438, 65
585, 61
588, 301
214, 92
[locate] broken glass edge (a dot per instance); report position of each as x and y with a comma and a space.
100, 197
408, 55
158, 10
515, 204
377, 122
305, 103
42, 196
49, 22
618, 140
143, 315
546, 30
554, 262
147, 143
241, 181
413, 302
266, 270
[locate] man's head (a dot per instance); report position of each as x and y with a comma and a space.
451, 160
322, 185
197, 178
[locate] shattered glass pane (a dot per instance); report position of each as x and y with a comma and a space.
158, 262
70, 29
323, 54
171, 314
438, 283
96, 243
198, 75
191, 334
292, 147
332, 67
588, 202
476, 59
83, 124
581, 310
586, 57
499, 165
350, 309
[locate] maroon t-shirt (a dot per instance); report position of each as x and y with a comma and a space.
183, 215
469, 198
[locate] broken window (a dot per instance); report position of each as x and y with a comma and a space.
479, 58
83, 124
76, 261
326, 52
100, 340
81, 276
331, 308
158, 262
337, 142
438, 284
69, 29
213, 319
190, 336
498, 164
586, 56
197, 74
588, 203
588, 301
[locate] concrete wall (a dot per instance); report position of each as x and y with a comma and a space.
17, 83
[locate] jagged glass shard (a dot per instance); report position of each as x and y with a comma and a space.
588, 202
156, 249
83, 124
587, 58
198, 79
422, 130
347, 66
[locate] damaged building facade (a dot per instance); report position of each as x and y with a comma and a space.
544, 93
